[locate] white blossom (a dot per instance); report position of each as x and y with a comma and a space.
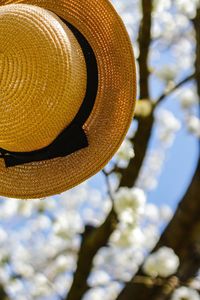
188, 98
62, 283
119, 264
195, 282
126, 151
168, 27
185, 293
167, 120
24, 269
163, 263
42, 222
40, 285
151, 235
148, 177
99, 277
64, 263
3, 235
8, 208
95, 294
168, 126
4, 276
15, 287
68, 225
148, 181
40, 279
161, 5
126, 236
165, 213
167, 72
129, 218
132, 199
152, 212
193, 125
25, 208
188, 9
113, 290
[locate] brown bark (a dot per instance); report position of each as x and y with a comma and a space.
143, 134
92, 240
144, 41
3, 295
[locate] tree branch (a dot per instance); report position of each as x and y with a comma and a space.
175, 87
3, 295
143, 134
144, 41
93, 239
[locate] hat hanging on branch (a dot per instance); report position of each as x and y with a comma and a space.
67, 93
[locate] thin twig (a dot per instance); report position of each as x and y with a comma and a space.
109, 189
115, 169
175, 87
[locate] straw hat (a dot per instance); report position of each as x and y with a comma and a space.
67, 93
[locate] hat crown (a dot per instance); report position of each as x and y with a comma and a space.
42, 77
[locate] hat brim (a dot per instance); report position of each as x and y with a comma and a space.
111, 116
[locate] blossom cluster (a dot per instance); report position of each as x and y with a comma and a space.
185, 293
168, 126
163, 263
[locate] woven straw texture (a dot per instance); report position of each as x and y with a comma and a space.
112, 113
41, 63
